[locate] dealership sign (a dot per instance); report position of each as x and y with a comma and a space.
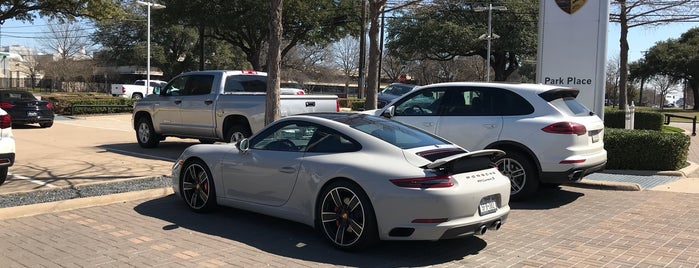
572, 48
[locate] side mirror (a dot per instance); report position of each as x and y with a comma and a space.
389, 112
243, 145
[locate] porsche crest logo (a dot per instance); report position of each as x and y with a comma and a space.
570, 6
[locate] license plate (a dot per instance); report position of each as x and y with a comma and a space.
32, 114
595, 138
488, 205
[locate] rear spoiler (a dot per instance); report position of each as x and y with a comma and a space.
465, 162
559, 93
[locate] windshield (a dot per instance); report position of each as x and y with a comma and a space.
397, 89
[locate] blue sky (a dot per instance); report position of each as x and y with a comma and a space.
640, 38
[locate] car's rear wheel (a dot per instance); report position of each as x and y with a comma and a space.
3, 174
46, 124
145, 133
346, 217
521, 172
197, 186
137, 96
236, 133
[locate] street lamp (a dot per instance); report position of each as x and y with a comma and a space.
154, 6
490, 36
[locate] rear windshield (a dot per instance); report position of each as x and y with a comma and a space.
17, 95
246, 83
400, 135
571, 106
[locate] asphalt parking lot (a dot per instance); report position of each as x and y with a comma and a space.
566, 226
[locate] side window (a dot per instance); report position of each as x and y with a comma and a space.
290, 137
246, 83
325, 140
505, 102
175, 87
199, 84
420, 103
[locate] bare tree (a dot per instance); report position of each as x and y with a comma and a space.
635, 13
611, 88
272, 111
345, 57
66, 40
664, 84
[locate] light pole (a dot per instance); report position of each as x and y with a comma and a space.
154, 6
490, 9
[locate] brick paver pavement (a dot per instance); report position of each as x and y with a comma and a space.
567, 227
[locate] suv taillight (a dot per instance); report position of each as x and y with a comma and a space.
566, 128
5, 121
49, 105
6, 105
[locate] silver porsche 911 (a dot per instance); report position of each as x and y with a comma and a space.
357, 178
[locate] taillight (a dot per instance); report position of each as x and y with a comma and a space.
441, 181
566, 128
300, 92
6, 105
123, 90
5, 121
49, 105
337, 105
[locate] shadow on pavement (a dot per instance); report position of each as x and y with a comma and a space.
547, 197
298, 241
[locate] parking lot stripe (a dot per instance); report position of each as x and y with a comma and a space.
42, 183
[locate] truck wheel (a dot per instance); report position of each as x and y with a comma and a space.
521, 172
236, 133
145, 134
137, 96
3, 174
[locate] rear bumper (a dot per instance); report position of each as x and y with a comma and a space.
7, 159
571, 175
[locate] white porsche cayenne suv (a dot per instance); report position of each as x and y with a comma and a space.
548, 136
7, 145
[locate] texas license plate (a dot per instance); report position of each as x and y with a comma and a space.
32, 114
595, 138
488, 205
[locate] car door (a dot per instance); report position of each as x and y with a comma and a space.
470, 117
266, 173
166, 114
420, 109
197, 106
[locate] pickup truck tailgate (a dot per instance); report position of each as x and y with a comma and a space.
297, 104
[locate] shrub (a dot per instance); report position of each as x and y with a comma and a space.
357, 105
63, 104
642, 119
645, 149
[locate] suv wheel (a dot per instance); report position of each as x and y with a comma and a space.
521, 172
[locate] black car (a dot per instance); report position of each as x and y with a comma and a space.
24, 108
391, 92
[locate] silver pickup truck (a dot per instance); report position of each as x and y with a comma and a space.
215, 106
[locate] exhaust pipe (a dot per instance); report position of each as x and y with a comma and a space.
496, 225
481, 230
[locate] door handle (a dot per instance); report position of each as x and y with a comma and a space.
208, 102
287, 170
428, 124
178, 101
489, 126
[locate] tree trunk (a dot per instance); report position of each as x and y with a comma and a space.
623, 54
694, 85
272, 112
375, 8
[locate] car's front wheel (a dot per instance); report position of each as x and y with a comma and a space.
521, 172
197, 186
346, 217
145, 133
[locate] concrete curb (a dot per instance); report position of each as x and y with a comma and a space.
70, 204
607, 185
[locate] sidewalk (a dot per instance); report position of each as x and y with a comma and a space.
685, 180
